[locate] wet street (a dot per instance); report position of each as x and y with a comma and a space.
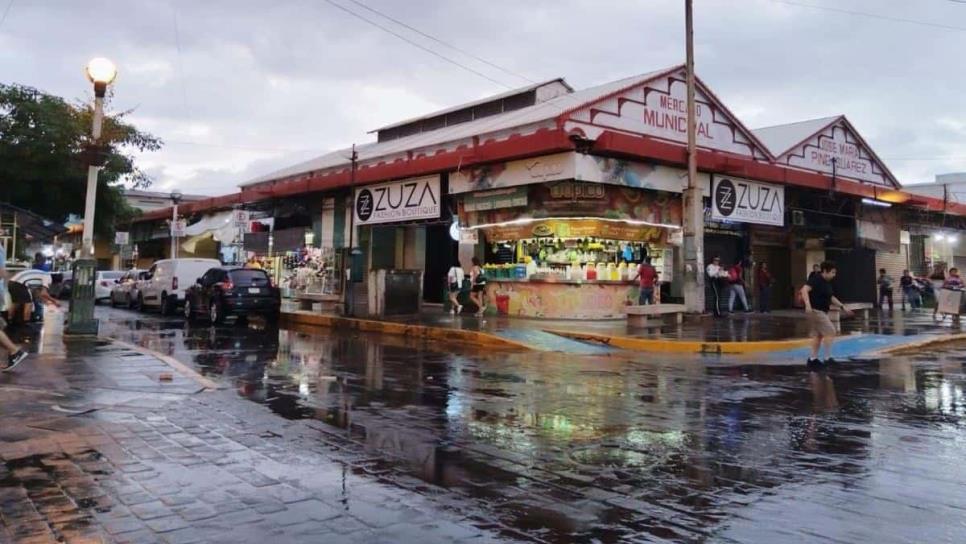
562, 448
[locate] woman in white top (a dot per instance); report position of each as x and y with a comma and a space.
454, 281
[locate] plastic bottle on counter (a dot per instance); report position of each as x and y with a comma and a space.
531, 268
591, 272
622, 271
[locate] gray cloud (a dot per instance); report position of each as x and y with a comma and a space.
260, 85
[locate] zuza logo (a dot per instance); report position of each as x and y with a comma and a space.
724, 197
750, 197
364, 205
395, 201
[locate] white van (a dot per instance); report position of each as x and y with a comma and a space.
167, 280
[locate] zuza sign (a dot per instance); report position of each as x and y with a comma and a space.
745, 201
403, 200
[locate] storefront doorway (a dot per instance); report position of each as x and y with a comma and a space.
441, 251
780, 267
729, 247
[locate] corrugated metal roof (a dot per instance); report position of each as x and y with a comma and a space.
781, 138
492, 98
532, 117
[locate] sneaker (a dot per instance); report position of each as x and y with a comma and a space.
814, 363
459, 310
15, 359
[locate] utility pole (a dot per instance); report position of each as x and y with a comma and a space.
693, 201
349, 302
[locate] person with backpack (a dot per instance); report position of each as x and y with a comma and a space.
454, 282
737, 288
478, 291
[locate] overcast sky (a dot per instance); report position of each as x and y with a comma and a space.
238, 88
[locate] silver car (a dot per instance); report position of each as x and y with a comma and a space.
125, 291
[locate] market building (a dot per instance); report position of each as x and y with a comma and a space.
562, 192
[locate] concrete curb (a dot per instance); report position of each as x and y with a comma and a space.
402, 329
177, 365
685, 346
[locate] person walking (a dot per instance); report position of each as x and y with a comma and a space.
478, 292
454, 281
718, 277
885, 289
647, 275
15, 355
819, 298
737, 280
910, 291
763, 282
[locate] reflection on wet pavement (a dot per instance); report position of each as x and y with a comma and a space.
574, 448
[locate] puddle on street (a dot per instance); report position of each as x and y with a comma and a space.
569, 448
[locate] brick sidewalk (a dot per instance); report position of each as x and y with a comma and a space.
97, 449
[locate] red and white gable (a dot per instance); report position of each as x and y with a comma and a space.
838, 146
657, 107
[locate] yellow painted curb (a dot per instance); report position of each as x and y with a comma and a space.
402, 329
929, 342
170, 361
684, 346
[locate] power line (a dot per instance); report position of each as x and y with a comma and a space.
439, 41
417, 44
177, 42
872, 15
6, 12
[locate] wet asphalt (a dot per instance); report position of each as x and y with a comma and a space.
619, 447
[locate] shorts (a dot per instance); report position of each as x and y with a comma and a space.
820, 324
3, 324
454, 288
479, 288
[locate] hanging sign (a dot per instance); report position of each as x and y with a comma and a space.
745, 201
403, 200
241, 218
122, 238
178, 228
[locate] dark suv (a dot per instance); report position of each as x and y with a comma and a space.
225, 291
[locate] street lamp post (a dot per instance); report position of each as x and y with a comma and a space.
101, 72
175, 199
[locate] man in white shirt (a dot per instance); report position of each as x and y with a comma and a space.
14, 354
716, 275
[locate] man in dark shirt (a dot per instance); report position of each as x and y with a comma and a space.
819, 298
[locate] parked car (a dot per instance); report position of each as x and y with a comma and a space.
124, 292
225, 291
167, 280
104, 281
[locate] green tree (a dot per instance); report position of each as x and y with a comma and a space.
43, 158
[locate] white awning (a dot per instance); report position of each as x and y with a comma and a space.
220, 225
